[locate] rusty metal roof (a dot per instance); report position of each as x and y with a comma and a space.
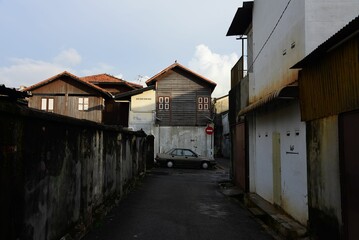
347, 32
241, 21
287, 92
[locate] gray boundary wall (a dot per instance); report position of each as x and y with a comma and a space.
57, 174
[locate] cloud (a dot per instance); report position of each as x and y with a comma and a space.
215, 67
26, 71
69, 57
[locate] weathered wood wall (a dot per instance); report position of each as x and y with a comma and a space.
65, 94
183, 90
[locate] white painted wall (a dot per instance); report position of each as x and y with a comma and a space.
271, 67
307, 24
142, 112
323, 18
286, 121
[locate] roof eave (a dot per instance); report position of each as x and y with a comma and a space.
242, 20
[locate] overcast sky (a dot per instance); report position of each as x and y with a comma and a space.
131, 39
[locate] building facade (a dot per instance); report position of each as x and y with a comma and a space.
329, 87
267, 117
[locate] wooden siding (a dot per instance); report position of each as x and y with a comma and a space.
66, 94
116, 113
330, 85
183, 91
237, 72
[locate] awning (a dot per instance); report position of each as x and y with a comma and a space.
241, 20
286, 92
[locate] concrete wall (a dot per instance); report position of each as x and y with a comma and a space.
58, 173
323, 18
306, 24
292, 169
194, 138
271, 68
324, 178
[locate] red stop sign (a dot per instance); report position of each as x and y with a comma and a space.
209, 130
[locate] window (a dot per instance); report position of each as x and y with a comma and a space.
47, 104
203, 103
163, 103
83, 104
188, 153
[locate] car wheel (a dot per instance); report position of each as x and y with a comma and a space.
205, 165
169, 164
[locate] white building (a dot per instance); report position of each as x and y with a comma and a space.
279, 34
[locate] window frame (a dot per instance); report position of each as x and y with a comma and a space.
164, 103
203, 103
47, 104
83, 104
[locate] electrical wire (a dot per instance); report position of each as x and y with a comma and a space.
270, 35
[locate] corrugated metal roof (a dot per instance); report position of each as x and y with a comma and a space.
241, 21
286, 92
348, 31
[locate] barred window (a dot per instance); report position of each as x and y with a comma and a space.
164, 103
203, 103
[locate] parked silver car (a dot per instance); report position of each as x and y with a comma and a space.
182, 157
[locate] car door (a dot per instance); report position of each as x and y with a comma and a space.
190, 158
177, 156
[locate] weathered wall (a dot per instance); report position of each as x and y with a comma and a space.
142, 111
323, 177
58, 172
194, 138
281, 180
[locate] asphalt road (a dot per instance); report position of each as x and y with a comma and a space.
181, 204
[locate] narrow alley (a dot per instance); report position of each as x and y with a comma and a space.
179, 204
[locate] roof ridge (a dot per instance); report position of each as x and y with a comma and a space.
66, 73
176, 64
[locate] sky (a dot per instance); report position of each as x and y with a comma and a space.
129, 39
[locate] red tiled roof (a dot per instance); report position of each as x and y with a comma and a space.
72, 76
153, 79
107, 78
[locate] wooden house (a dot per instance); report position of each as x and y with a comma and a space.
329, 100
116, 112
183, 109
183, 97
69, 95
